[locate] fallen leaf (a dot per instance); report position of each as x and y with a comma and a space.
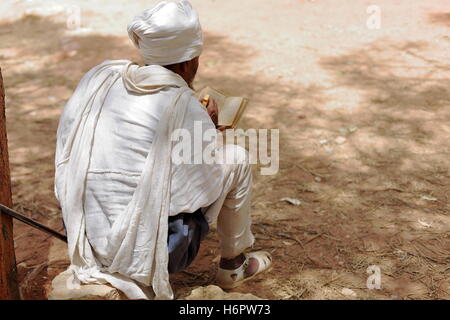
352, 129
429, 198
348, 130
423, 223
292, 201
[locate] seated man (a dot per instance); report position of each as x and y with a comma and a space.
132, 215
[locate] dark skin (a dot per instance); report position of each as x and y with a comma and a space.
187, 70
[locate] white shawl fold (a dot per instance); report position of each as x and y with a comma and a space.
137, 255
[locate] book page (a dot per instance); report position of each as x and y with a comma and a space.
229, 110
241, 110
217, 96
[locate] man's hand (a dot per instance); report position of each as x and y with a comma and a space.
213, 111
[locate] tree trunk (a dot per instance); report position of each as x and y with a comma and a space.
9, 288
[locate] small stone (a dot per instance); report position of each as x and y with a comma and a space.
61, 291
213, 292
72, 53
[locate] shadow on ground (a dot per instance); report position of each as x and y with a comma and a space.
441, 18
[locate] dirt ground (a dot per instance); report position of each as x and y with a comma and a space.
364, 134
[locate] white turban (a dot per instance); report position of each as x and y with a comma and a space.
168, 33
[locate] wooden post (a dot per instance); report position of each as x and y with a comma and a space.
9, 288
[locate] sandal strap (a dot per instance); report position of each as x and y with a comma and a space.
233, 275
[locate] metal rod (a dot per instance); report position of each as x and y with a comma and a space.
32, 223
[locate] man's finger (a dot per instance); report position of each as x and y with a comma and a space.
211, 103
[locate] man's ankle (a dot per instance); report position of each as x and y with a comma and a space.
232, 263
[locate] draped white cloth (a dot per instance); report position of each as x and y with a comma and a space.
168, 33
114, 139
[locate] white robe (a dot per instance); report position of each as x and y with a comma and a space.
114, 178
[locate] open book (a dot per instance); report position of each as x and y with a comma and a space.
230, 108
